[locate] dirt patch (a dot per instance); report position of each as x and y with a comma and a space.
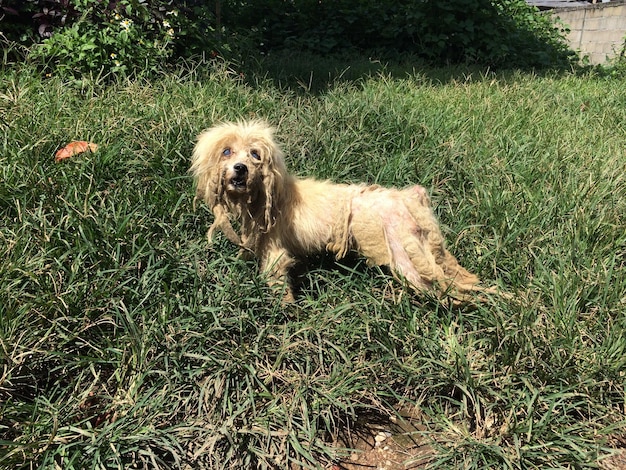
396, 443
402, 443
616, 461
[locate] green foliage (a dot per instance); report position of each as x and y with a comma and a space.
92, 36
616, 67
532, 38
118, 45
504, 33
77, 37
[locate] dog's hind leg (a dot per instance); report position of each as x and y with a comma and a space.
398, 229
416, 245
402, 261
426, 246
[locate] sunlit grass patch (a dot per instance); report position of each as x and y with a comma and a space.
126, 340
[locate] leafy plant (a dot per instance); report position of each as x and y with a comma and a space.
494, 32
73, 37
616, 67
93, 36
122, 37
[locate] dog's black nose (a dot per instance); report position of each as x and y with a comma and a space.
240, 169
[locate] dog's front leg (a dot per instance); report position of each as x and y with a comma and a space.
276, 264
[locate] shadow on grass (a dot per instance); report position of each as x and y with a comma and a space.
308, 73
322, 278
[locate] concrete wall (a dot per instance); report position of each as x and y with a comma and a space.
597, 31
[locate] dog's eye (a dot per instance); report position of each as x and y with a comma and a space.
255, 154
226, 152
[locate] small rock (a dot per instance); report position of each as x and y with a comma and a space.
381, 437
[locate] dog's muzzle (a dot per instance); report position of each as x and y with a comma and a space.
240, 176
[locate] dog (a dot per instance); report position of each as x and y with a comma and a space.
239, 171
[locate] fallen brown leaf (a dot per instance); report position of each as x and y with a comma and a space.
74, 148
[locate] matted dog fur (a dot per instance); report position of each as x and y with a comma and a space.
240, 173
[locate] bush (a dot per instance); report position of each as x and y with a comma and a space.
493, 32
116, 44
95, 36
91, 36
615, 67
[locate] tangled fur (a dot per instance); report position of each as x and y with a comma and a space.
241, 174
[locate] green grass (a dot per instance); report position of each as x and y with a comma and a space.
126, 341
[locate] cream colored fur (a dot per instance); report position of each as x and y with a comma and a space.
282, 218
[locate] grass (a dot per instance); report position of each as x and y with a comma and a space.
126, 342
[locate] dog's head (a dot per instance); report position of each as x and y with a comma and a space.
239, 165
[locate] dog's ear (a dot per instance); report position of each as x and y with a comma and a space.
205, 167
208, 176
274, 176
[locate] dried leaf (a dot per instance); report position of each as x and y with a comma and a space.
74, 148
